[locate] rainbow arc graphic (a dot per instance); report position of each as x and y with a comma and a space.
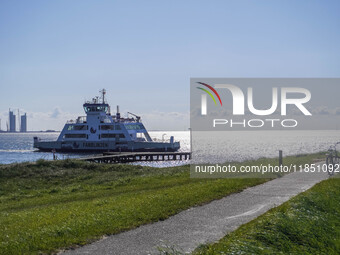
209, 93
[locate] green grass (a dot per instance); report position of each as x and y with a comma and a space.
307, 224
53, 205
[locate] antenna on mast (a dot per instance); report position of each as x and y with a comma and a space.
103, 91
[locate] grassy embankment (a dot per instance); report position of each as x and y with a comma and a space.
307, 224
51, 205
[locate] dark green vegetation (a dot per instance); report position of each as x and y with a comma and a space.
307, 224
51, 205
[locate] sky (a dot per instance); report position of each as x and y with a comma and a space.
56, 54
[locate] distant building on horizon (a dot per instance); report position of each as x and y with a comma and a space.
11, 122
23, 123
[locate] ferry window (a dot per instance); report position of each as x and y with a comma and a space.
133, 126
107, 127
108, 136
80, 127
77, 127
75, 136
87, 109
121, 136
118, 127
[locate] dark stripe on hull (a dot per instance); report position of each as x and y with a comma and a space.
99, 150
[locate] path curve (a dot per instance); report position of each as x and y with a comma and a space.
204, 224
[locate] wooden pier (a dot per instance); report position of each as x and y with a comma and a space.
126, 157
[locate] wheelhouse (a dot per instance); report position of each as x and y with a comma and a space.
95, 108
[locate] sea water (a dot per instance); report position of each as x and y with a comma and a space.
207, 147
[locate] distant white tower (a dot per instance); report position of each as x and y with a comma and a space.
11, 121
23, 123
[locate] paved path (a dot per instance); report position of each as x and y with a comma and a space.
207, 223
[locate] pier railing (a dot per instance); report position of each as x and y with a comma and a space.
112, 157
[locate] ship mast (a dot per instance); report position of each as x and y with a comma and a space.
103, 91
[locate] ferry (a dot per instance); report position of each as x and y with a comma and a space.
100, 131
